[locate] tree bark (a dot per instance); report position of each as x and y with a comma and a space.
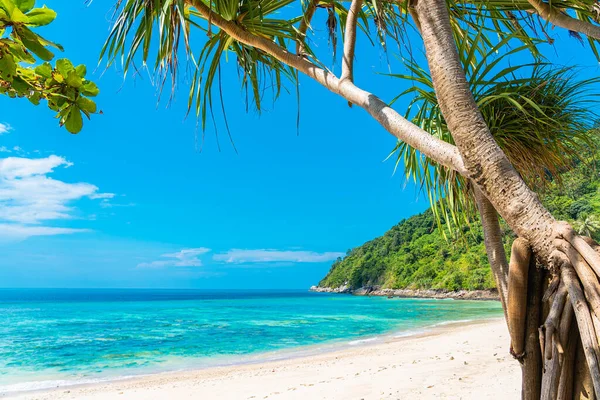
516, 304
350, 41
494, 246
531, 368
485, 162
562, 19
303, 28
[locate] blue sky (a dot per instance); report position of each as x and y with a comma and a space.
131, 201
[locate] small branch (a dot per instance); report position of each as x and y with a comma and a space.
350, 41
303, 28
584, 321
563, 20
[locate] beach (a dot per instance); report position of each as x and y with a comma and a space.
467, 360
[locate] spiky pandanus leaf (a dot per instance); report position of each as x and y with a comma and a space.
539, 115
138, 23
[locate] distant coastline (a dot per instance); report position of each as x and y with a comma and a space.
490, 294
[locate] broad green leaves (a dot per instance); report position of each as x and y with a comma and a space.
63, 86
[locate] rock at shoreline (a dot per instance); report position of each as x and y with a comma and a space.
419, 293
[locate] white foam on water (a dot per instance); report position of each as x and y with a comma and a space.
362, 341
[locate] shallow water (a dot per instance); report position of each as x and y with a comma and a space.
59, 337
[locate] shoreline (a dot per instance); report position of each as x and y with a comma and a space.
487, 295
159, 385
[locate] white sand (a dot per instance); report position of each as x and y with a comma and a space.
451, 362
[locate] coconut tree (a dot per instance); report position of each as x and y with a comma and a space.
588, 225
271, 47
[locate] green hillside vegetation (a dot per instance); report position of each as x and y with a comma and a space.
415, 255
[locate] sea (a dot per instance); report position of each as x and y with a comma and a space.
60, 337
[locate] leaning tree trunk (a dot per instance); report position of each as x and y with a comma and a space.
574, 266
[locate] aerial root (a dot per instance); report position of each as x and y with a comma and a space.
585, 323
552, 322
516, 308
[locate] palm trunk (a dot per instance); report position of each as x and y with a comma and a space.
485, 162
494, 175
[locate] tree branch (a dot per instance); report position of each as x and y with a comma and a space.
441, 152
303, 28
563, 20
350, 41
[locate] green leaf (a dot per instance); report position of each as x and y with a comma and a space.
64, 66
17, 49
14, 14
44, 70
90, 89
86, 105
74, 80
32, 42
35, 98
81, 70
74, 121
24, 5
8, 68
40, 16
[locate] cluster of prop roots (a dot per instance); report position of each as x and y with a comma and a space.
553, 316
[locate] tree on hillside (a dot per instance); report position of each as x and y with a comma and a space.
271, 48
588, 225
62, 85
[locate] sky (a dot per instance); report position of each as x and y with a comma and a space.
139, 199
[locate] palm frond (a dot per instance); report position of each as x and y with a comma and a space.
540, 116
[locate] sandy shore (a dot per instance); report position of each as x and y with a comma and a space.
465, 361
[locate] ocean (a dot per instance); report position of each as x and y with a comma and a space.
59, 337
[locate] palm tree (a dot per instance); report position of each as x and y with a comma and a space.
587, 226
271, 49
540, 117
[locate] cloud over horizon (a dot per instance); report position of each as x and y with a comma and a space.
29, 197
182, 258
242, 256
191, 257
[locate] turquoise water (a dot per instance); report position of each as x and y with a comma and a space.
60, 337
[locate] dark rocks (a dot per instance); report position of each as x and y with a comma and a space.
408, 293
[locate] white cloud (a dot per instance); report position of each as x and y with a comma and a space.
240, 256
4, 149
182, 258
19, 231
104, 196
29, 197
4, 128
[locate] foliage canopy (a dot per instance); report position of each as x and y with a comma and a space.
62, 85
